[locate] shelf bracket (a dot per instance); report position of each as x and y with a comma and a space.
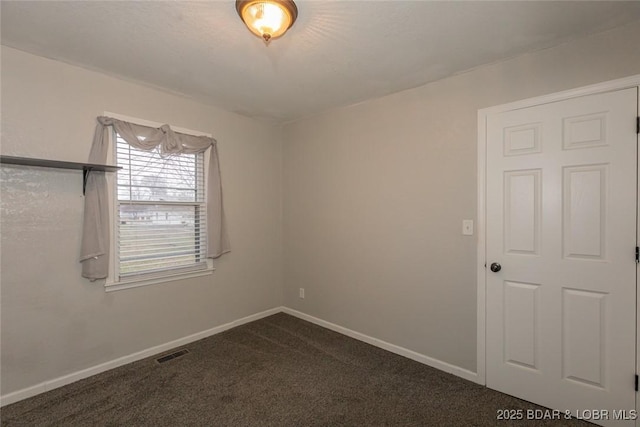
85, 176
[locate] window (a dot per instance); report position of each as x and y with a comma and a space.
160, 210
161, 218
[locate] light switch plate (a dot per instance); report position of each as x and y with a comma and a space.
467, 227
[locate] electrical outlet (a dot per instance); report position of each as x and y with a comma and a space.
467, 227
302, 293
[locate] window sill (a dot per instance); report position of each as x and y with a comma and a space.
111, 286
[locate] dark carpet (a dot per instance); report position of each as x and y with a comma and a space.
277, 371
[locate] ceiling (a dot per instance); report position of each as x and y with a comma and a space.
337, 53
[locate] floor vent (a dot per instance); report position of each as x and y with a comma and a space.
172, 355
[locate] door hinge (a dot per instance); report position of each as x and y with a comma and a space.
638, 125
637, 254
636, 383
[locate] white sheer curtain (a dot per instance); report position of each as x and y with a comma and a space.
94, 253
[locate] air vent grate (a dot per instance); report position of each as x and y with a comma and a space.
172, 355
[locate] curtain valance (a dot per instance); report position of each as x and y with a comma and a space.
94, 253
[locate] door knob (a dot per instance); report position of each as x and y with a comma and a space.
495, 267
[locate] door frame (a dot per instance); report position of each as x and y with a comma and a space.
608, 86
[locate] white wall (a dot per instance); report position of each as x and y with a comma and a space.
53, 321
375, 194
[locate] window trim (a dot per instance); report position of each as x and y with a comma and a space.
113, 282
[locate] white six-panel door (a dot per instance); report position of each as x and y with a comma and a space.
561, 222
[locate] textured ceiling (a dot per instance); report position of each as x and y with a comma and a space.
337, 53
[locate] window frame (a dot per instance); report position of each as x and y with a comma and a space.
113, 281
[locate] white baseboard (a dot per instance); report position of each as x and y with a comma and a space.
79, 375
410, 354
94, 370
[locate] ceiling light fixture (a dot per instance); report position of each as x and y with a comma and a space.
268, 19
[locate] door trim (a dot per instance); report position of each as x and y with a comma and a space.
624, 83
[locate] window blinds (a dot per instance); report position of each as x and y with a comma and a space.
161, 211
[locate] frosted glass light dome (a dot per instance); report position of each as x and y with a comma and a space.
268, 19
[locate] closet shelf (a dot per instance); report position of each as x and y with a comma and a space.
59, 164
